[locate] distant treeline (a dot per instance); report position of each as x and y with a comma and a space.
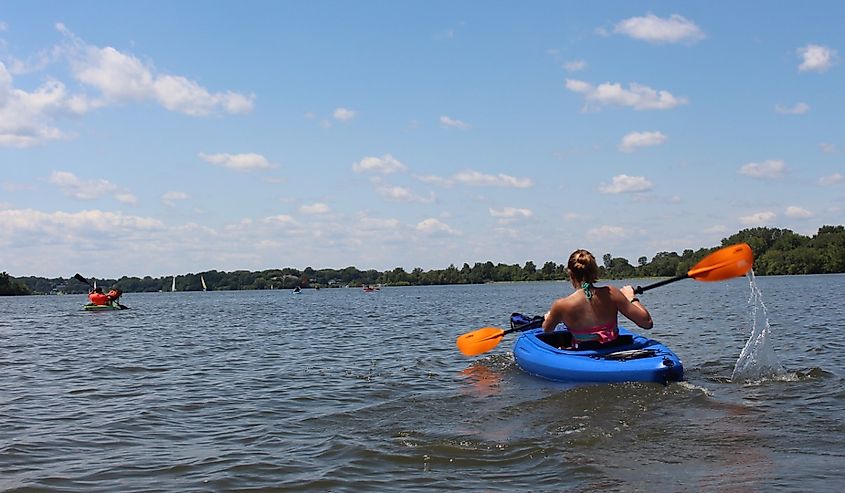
776, 251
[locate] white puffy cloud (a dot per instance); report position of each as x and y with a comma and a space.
386, 164
126, 198
626, 184
13, 187
637, 96
315, 208
376, 224
73, 186
830, 180
655, 29
796, 212
758, 218
435, 180
240, 162
65, 224
169, 198
575, 65
576, 85
33, 63
816, 58
574, 216
476, 178
280, 219
637, 140
797, 109
434, 226
770, 169
511, 212
26, 117
344, 114
454, 123
607, 232
121, 77
403, 194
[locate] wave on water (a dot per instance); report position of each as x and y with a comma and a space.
758, 360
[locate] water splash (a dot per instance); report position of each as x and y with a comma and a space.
757, 360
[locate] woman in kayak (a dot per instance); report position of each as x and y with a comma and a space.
590, 312
97, 296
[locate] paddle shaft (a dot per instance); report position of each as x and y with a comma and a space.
642, 289
518, 328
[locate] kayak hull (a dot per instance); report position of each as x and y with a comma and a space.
91, 307
637, 359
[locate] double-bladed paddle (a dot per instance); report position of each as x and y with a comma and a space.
81, 279
725, 263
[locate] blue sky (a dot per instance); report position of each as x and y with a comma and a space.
156, 138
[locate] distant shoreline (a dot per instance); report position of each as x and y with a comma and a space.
776, 252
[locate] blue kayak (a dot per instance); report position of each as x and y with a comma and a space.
631, 358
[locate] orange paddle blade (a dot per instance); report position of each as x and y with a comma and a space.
479, 341
725, 263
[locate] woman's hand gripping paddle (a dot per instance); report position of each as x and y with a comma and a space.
725, 263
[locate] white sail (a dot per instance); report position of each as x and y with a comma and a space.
202, 280
173, 286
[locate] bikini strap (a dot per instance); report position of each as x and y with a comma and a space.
586, 287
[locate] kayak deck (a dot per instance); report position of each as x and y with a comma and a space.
631, 358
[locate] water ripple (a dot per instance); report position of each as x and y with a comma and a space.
338, 390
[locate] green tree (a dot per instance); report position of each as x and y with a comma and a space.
9, 287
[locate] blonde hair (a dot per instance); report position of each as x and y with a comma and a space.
582, 266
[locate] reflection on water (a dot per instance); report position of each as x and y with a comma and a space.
757, 359
484, 380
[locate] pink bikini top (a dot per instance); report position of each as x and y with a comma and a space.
603, 333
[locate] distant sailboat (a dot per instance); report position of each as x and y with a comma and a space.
202, 280
173, 286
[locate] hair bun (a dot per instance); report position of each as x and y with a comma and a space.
582, 266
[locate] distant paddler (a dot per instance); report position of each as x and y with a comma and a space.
98, 299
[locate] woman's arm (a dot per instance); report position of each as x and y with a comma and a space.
554, 316
630, 306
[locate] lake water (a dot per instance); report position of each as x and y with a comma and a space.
341, 390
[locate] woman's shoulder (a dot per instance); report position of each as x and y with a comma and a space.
609, 291
565, 300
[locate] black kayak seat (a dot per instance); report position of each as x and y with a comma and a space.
562, 339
